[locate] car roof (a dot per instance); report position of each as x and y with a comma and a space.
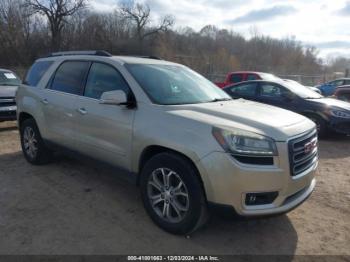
121, 59
247, 72
255, 81
343, 78
140, 60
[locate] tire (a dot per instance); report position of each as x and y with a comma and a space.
33, 146
185, 214
320, 125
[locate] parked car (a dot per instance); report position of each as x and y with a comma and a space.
186, 142
315, 89
329, 114
343, 93
9, 83
328, 89
242, 76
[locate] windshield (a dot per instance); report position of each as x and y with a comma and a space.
301, 90
8, 78
175, 85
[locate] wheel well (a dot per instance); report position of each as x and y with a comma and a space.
23, 116
310, 114
151, 151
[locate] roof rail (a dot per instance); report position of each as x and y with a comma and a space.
90, 52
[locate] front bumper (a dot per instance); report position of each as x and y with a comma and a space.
8, 113
228, 182
339, 125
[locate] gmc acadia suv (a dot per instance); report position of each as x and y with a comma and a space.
187, 143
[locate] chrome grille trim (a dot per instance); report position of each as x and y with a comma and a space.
300, 159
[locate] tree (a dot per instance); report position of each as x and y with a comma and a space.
140, 15
16, 29
56, 12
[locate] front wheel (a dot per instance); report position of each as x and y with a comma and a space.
320, 124
172, 194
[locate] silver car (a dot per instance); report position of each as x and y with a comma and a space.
188, 145
9, 83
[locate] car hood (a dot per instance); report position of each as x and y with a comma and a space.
247, 115
331, 102
8, 91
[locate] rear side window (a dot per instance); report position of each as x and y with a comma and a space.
248, 89
103, 78
236, 78
252, 77
36, 72
69, 77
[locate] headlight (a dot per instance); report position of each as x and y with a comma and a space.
339, 113
242, 142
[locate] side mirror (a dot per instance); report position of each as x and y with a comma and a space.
116, 97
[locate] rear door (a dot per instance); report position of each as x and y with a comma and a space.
104, 131
59, 101
247, 90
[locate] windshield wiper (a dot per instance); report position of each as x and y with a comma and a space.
219, 100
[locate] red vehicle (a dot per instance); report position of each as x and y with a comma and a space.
343, 93
241, 76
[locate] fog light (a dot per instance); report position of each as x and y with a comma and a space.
252, 199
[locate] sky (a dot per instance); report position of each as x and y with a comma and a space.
324, 24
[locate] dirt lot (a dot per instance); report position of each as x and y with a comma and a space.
70, 207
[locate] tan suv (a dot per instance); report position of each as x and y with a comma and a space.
188, 145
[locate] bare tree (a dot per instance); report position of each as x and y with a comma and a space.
140, 15
56, 11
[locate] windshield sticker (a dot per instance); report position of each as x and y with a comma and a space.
10, 76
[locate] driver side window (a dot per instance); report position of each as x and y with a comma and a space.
103, 78
337, 83
272, 90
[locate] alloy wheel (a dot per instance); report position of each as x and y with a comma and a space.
168, 195
30, 142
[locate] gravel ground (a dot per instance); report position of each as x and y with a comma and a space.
71, 207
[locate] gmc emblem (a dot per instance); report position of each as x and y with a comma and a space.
310, 146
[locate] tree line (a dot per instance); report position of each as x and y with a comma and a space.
33, 28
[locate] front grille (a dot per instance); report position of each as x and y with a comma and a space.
8, 114
7, 101
302, 153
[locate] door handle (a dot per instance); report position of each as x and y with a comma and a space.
82, 111
44, 101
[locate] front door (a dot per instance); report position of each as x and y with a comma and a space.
104, 131
277, 95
